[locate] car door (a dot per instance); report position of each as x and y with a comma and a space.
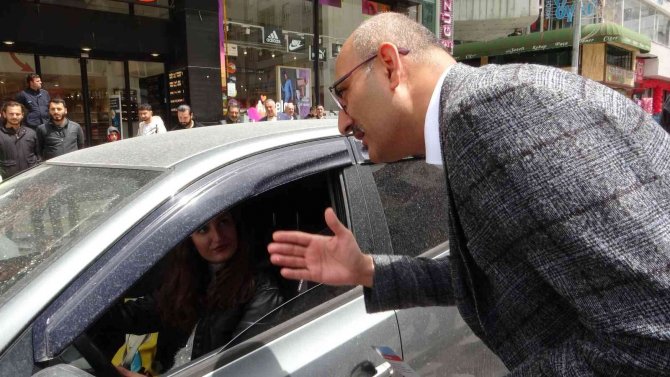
412, 196
325, 329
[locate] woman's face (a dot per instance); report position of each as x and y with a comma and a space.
216, 241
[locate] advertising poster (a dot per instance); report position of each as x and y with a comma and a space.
115, 110
293, 85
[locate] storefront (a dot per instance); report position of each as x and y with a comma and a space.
608, 52
104, 57
272, 49
101, 57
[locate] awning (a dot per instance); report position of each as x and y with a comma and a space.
594, 33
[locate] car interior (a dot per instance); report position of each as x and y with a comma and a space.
299, 205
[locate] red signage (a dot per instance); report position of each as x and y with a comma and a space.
639, 70
446, 31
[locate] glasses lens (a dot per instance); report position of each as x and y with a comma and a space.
336, 99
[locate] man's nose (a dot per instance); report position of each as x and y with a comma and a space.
344, 122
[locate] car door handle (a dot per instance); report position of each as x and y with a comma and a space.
384, 370
367, 369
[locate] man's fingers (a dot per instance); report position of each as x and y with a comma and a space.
287, 261
294, 237
333, 222
286, 249
295, 274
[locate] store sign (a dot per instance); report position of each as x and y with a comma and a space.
296, 44
273, 36
116, 111
618, 75
231, 49
446, 31
335, 49
639, 70
322, 54
177, 89
565, 11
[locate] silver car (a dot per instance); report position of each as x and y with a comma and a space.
80, 231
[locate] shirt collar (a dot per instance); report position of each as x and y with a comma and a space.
431, 132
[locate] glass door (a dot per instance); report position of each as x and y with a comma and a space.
13, 70
105, 84
61, 77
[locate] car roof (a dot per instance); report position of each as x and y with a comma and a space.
164, 151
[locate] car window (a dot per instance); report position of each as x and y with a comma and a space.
298, 205
413, 196
48, 207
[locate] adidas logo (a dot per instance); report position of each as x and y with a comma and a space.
273, 38
296, 44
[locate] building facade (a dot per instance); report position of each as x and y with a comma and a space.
624, 44
104, 57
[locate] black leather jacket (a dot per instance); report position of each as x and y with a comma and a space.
214, 329
56, 141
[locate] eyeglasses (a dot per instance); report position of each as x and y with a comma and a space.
337, 94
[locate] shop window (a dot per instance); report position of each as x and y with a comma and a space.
61, 77
13, 70
662, 29
613, 11
147, 85
647, 21
619, 57
631, 15
105, 84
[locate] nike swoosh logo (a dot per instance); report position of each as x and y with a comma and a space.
295, 44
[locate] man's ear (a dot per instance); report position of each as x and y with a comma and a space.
390, 59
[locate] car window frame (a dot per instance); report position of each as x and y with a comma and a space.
205, 197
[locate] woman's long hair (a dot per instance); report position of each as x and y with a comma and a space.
188, 287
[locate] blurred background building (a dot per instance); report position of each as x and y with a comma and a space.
106, 56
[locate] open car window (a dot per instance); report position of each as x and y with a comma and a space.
298, 205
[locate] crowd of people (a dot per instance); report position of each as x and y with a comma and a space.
271, 113
35, 127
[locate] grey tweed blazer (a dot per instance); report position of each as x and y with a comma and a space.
559, 207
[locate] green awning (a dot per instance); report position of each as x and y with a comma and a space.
594, 33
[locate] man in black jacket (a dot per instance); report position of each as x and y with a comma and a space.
19, 147
35, 100
185, 117
59, 135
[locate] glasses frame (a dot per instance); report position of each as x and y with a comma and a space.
333, 88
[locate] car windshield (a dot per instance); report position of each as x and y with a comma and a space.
46, 208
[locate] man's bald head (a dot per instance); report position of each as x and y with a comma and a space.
395, 28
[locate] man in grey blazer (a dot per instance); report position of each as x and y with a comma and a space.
559, 205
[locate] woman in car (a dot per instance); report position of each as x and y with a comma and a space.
209, 294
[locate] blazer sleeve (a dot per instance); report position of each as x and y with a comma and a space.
401, 282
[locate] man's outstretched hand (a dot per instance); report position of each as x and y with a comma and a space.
333, 260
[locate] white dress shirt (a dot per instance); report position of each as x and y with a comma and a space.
431, 131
